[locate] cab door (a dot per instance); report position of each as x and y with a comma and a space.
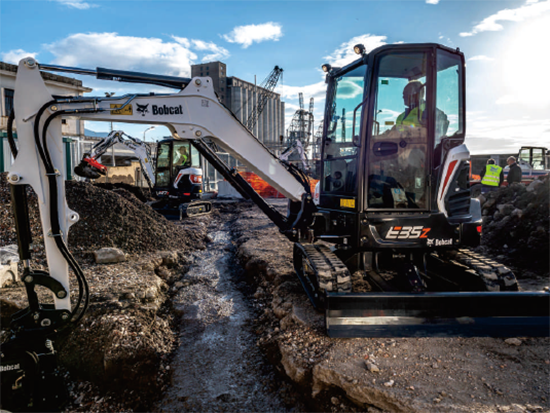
342, 143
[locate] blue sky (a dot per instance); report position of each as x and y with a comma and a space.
506, 45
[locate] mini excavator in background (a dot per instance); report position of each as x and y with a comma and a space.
176, 182
385, 252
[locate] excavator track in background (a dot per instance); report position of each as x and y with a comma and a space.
195, 209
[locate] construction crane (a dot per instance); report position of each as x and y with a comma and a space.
265, 91
301, 125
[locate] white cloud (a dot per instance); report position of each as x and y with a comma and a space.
501, 136
316, 91
491, 23
76, 4
254, 33
344, 54
218, 52
481, 57
14, 56
432, 1
151, 55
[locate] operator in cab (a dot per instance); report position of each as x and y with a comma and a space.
181, 157
415, 106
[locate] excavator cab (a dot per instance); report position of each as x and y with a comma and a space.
390, 114
178, 180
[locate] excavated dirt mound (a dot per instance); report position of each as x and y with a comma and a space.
516, 225
107, 219
118, 219
143, 194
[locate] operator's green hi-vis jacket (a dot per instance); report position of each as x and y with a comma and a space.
492, 175
412, 118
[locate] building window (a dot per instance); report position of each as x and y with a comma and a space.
8, 101
207, 73
63, 121
206, 67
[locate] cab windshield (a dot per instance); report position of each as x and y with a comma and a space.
402, 147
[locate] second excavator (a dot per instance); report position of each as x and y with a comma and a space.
175, 181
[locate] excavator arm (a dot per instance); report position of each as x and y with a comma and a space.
90, 168
194, 113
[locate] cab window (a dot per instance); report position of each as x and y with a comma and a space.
341, 147
163, 166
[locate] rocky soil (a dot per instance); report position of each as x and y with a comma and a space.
116, 357
516, 227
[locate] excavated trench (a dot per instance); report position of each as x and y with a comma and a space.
218, 366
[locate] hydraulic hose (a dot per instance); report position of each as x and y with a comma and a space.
54, 212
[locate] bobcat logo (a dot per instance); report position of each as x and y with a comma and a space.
142, 109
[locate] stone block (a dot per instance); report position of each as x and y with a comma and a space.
109, 256
8, 273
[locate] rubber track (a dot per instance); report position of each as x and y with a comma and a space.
497, 277
332, 273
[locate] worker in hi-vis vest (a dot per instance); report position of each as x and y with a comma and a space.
491, 176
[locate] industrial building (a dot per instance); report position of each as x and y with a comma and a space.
241, 97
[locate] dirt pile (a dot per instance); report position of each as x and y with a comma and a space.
118, 219
516, 226
107, 219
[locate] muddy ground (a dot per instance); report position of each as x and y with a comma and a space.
207, 314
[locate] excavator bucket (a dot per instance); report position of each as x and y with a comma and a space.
452, 314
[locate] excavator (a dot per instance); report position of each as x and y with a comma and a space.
176, 181
385, 252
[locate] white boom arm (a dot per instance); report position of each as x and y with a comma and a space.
192, 113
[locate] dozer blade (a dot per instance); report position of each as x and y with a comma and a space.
453, 314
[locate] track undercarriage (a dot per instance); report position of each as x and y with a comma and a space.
180, 211
443, 293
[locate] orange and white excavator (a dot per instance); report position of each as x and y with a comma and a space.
394, 205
